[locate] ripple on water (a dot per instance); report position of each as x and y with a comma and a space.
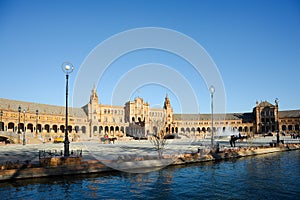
272, 176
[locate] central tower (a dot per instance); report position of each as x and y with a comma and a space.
168, 116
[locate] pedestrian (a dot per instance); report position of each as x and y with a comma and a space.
232, 141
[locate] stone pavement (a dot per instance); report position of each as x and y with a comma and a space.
95, 150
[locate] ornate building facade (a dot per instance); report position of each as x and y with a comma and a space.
137, 119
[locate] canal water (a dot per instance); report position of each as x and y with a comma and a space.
271, 176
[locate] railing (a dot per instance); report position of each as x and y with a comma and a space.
291, 141
55, 153
10, 134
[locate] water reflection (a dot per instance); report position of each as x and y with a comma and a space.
272, 176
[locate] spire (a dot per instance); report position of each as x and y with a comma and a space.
167, 103
94, 95
138, 91
94, 88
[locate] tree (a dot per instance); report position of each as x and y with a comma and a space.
159, 143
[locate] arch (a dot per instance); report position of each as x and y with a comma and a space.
106, 129
208, 129
297, 127
83, 129
30, 127
193, 129
1, 126
198, 130
117, 128
62, 128
283, 127
122, 129
76, 129
240, 129
215, 129
54, 128
246, 129
176, 130
39, 128
95, 129
251, 128
290, 127
167, 129
21, 127
100, 129
69, 129
203, 129
173, 130
188, 130
47, 128
133, 120
111, 129
11, 126
182, 130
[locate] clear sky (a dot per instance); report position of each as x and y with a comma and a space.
254, 44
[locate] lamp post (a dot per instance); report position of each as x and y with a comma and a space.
36, 126
277, 122
1, 113
19, 132
19, 109
67, 69
24, 139
212, 91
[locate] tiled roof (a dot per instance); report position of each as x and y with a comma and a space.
289, 113
246, 117
187, 117
7, 104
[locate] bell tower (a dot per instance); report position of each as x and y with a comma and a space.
94, 107
94, 96
168, 112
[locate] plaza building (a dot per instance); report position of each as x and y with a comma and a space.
137, 119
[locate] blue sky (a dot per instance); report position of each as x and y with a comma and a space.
255, 45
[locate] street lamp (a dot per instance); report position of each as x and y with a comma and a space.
67, 69
36, 126
277, 122
212, 91
19, 109
24, 139
1, 113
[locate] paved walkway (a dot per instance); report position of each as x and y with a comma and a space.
96, 150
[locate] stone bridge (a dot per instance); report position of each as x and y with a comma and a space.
11, 136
